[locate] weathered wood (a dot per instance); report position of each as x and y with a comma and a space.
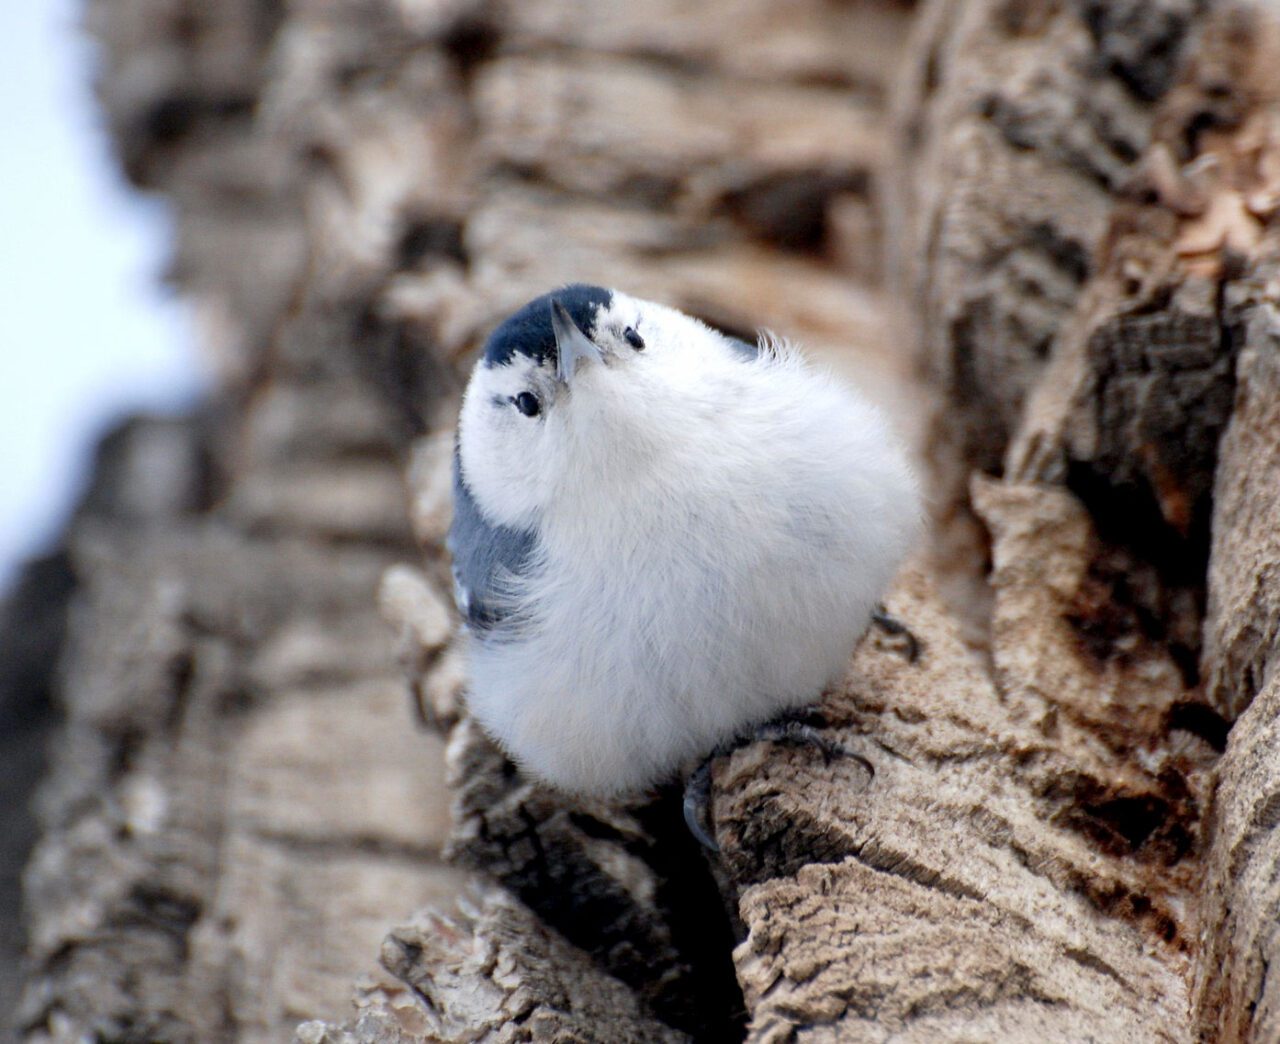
1003, 874
1159, 122
1070, 830
493, 973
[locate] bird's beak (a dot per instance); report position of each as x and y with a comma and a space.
571, 343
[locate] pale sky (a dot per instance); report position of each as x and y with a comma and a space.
86, 331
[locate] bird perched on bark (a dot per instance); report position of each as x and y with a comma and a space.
663, 537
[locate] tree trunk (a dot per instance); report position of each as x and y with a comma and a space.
1071, 829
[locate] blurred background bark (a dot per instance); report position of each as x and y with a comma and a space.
1041, 233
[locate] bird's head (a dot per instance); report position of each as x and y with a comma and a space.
574, 385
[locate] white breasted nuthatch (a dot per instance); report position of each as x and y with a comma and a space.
662, 536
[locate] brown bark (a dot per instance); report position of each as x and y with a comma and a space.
1070, 832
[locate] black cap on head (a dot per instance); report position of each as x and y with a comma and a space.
528, 331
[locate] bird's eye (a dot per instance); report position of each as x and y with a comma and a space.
632, 338
528, 404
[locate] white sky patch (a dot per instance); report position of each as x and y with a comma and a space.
87, 333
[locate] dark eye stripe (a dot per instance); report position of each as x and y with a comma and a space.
634, 339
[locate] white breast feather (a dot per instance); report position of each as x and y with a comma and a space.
710, 560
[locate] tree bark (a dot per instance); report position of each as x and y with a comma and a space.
1071, 829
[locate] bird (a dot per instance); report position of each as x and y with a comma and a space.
665, 539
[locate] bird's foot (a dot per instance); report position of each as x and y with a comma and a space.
796, 728
697, 799
894, 627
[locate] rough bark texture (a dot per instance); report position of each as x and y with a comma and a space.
494, 973
236, 801
1129, 152
1071, 829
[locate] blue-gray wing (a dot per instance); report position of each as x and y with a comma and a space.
485, 558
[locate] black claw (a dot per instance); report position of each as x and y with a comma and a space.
791, 728
892, 625
697, 798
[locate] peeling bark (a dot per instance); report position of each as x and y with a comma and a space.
1151, 382
992, 878
493, 973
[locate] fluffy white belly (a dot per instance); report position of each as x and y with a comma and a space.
643, 650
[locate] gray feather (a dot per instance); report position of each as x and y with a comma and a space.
485, 558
